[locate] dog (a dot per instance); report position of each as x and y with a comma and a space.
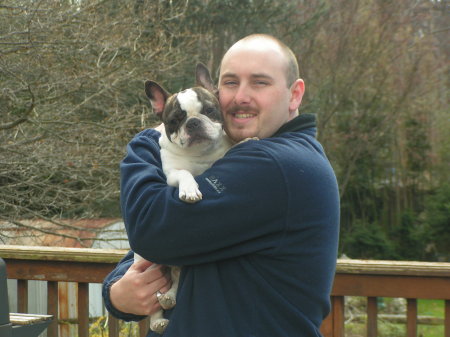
192, 139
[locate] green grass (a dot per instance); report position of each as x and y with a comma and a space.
433, 308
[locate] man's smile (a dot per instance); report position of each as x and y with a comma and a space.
243, 115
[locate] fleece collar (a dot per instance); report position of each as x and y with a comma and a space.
301, 122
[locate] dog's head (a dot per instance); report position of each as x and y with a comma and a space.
191, 117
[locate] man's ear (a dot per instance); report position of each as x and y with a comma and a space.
297, 91
157, 95
204, 79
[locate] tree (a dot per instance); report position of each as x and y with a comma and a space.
72, 74
72, 96
72, 78
374, 73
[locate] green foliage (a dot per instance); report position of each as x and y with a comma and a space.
419, 236
99, 328
368, 242
406, 241
376, 122
408, 238
436, 219
417, 144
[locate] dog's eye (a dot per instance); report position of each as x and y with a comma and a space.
173, 122
209, 110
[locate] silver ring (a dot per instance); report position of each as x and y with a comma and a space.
158, 295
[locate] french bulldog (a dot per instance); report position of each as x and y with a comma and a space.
192, 139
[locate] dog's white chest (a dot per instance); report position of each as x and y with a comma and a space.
181, 165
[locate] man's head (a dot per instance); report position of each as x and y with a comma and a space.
259, 88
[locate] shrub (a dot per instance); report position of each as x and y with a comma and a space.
368, 241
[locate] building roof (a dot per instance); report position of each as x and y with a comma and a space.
62, 233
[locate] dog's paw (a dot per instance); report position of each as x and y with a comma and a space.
167, 301
159, 325
191, 194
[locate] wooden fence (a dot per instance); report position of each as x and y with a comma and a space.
370, 279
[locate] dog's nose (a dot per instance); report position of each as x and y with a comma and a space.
192, 124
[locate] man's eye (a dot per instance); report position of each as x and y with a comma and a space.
230, 83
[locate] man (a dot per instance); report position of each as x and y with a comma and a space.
258, 253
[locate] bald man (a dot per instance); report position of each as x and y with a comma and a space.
258, 253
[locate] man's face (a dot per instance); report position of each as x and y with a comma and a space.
254, 96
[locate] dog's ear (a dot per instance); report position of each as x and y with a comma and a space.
204, 79
157, 95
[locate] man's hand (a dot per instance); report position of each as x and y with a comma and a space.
135, 292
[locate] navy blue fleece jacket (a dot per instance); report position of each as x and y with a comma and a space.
258, 253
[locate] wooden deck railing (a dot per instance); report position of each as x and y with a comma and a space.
373, 279
370, 279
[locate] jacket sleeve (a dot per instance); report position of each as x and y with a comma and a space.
112, 277
238, 214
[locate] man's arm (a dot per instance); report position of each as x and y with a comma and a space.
245, 200
164, 229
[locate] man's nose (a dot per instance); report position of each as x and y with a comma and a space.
243, 95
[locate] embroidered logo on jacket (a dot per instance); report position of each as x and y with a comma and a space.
216, 184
